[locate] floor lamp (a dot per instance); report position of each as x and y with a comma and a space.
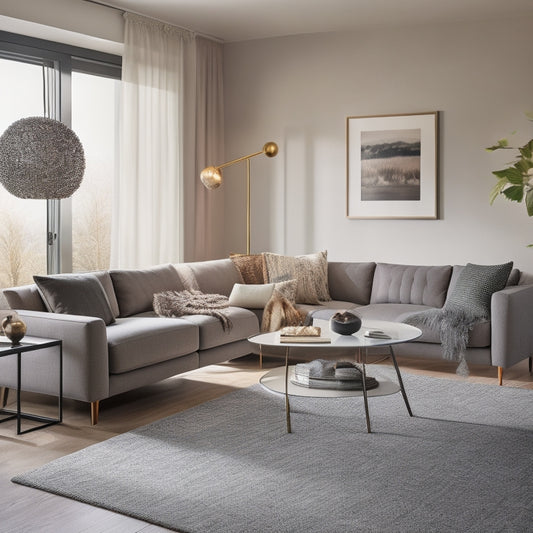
212, 178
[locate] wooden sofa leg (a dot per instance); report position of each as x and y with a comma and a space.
4, 393
530, 363
94, 412
500, 375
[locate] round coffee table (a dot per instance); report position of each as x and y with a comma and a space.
356, 345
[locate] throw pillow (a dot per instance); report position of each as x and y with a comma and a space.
475, 286
250, 267
310, 272
250, 296
75, 294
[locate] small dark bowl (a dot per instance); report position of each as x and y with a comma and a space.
345, 323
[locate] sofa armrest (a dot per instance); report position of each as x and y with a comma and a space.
85, 354
511, 325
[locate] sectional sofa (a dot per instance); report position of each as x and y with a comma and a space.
122, 344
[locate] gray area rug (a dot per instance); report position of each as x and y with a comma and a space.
463, 463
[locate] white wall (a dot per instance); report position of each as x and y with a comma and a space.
73, 22
299, 90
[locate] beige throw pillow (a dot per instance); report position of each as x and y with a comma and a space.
250, 296
310, 272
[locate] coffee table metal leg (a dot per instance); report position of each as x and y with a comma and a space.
365, 397
400, 381
287, 404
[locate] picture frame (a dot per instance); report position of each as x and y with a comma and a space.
392, 166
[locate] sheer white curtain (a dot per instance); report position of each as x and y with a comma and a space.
147, 223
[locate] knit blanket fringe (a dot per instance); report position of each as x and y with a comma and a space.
453, 326
192, 302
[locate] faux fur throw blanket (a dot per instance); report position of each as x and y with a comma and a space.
454, 326
192, 302
279, 312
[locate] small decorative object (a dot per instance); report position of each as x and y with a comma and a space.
345, 323
14, 329
41, 158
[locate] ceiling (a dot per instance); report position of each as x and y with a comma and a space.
239, 20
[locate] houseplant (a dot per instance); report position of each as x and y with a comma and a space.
515, 182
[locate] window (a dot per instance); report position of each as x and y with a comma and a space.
23, 227
81, 88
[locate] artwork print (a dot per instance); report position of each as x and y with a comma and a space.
392, 166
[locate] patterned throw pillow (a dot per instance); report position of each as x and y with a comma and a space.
475, 286
250, 267
310, 272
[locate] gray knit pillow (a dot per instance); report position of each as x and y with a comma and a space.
474, 288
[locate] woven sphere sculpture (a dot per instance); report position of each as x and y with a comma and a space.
41, 158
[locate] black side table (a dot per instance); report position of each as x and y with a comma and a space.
30, 344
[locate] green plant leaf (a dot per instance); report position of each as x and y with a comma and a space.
511, 174
529, 202
515, 193
502, 143
497, 189
523, 165
527, 150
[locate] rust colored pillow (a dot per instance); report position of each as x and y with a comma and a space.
250, 267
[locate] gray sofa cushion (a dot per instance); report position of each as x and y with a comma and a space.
25, 297
137, 342
410, 284
351, 282
135, 289
244, 324
211, 277
75, 294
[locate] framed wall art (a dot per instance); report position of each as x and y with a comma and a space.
391, 163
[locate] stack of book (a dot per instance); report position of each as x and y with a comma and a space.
302, 334
337, 375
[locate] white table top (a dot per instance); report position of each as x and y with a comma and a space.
397, 331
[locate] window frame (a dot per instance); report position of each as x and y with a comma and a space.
65, 59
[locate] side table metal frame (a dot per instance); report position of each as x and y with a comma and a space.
17, 414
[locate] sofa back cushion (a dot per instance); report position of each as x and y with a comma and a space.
410, 284
135, 289
28, 296
25, 297
75, 294
216, 276
351, 282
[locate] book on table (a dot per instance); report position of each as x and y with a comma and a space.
302, 334
304, 339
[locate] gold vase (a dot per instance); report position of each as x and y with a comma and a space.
14, 329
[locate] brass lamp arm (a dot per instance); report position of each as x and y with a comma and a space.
238, 160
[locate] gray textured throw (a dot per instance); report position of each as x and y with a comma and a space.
180, 303
463, 463
454, 326
467, 304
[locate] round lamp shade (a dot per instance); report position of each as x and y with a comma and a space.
41, 158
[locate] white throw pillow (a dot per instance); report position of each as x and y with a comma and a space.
250, 296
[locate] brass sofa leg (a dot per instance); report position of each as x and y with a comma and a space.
94, 412
500, 375
4, 393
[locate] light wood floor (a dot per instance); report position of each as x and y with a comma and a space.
28, 510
